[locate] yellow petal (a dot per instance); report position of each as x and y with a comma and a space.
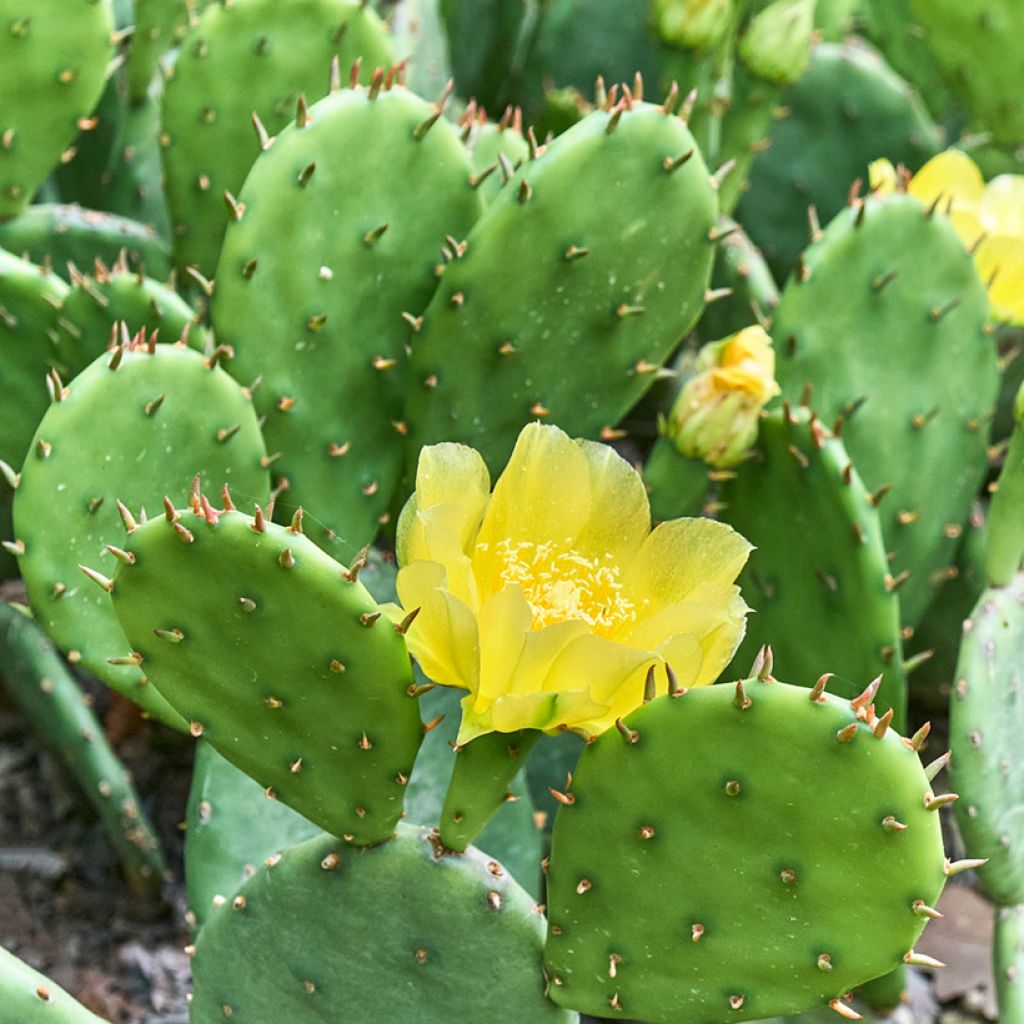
1003, 257
435, 535
620, 515
952, 175
446, 475
543, 495
1002, 206
504, 620
443, 637
678, 557
882, 177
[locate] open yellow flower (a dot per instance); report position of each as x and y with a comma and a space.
715, 417
549, 599
989, 218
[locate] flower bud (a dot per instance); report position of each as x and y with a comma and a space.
698, 24
777, 43
715, 417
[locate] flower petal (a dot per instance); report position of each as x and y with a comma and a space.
1000, 259
620, 514
543, 495
443, 636
952, 175
446, 475
882, 176
681, 556
1002, 205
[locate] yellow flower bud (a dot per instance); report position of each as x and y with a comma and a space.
715, 418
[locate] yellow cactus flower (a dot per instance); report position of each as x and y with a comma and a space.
715, 417
550, 599
989, 218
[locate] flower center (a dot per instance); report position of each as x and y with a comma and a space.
562, 585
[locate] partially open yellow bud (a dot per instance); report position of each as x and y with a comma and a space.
716, 416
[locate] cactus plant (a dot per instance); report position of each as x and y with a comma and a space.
321, 715
281, 51
617, 283
30, 998
819, 579
170, 414
276, 952
664, 870
54, 63
375, 180
36, 677
892, 268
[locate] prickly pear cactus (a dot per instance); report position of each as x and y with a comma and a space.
601, 294
160, 26
101, 300
277, 953
279, 51
38, 680
673, 892
53, 64
818, 580
848, 109
975, 45
888, 269
986, 718
373, 179
30, 998
167, 414
59, 234
497, 150
231, 827
279, 657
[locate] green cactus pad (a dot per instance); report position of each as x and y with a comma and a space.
394, 933
262, 644
753, 295
231, 827
97, 303
58, 234
849, 109
36, 677
1008, 965
279, 50
986, 720
818, 579
977, 47
53, 64
727, 857
489, 143
27, 997
372, 188
132, 434
160, 26
600, 294
885, 318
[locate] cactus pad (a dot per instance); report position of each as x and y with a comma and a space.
372, 182
986, 720
726, 856
231, 828
917, 408
279, 51
392, 933
53, 64
166, 415
60, 233
262, 644
29, 998
547, 282
848, 109
818, 579
96, 303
